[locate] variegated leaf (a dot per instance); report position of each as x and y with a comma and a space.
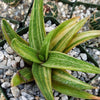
62, 61
65, 40
61, 31
42, 76
64, 77
36, 27
22, 76
9, 33
62, 88
82, 37
25, 51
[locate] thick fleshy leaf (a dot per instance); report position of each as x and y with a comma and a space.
64, 77
22, 76
62, 30
36, 27
9, 33
62, 61
42, 76
65, 40
62, 88
45, 47
25, 51
82, 37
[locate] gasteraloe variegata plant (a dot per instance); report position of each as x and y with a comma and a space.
48, 55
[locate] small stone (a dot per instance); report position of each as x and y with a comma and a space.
48, 23
9, 50
97, 52
56, 94
25, 36
14, 63
5, 46
64, 97
1, 56
5, 85
98, 78
57, 98
3, 63
9, 72
15, 92
17, 59
83, 56
23, 98
27, 95
9, 62
60, 4
91, 75
21, 63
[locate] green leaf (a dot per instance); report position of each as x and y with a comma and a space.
65, 40
22, 76
82, 37
64, 77
25, 51
9, 33
36, 27
62, 88
62, 61
42, 76
62, 30
45, 46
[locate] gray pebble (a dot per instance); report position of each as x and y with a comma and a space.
1, 56
5, 85
15, 92
9, 50
83, 56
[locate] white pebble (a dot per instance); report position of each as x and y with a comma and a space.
17, 59
21, 63
9, 72
97, 52
1, 56
83, 56
3, 63
5, 85
9, 50
60, 4
15, 92
25, 36
5, 46
9, 62
14, 63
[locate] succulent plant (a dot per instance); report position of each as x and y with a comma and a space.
94, 22
12, 2
47, 53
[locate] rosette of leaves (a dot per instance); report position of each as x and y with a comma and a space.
50, 9
12, 2
47, 52
94, 22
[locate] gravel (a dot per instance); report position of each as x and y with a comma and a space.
10, 61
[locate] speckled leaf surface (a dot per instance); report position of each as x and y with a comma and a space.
64, 77
9, 33
42, 76
36, 27
65, 40
73, 91
62, 61
25, 51
82, 37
